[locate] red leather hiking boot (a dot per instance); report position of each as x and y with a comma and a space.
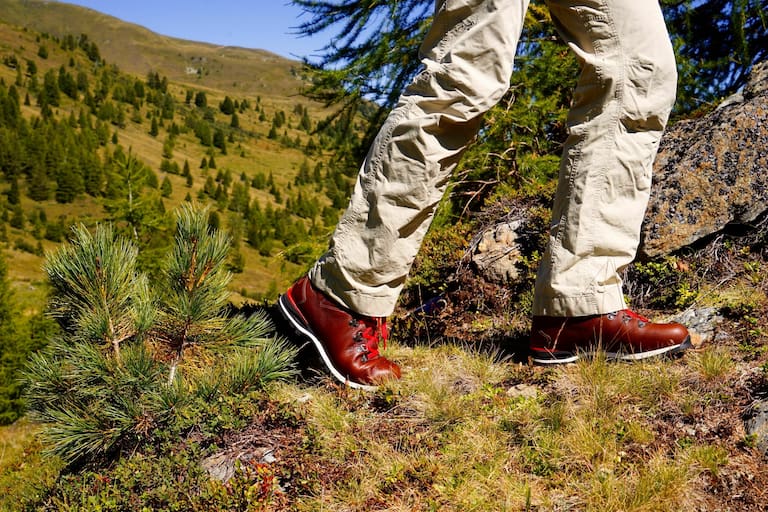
348, 343
623, 335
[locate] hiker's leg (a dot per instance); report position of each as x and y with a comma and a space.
467, 57
620, 107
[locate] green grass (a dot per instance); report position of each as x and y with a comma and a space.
23, 470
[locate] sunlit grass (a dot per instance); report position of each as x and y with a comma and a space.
457, 434
465, 441
713, 363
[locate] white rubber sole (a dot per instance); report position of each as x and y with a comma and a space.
617, 356
285, 309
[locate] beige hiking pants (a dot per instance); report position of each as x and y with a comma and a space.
620, 107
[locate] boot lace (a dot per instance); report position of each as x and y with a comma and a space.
629, 314
374, 330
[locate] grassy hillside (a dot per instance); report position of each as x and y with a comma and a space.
266, 83
138, 50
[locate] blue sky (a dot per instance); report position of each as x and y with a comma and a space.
263, 24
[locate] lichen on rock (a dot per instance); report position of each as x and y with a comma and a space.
710, 172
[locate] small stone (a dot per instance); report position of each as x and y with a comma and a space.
268, 457
497, 252
306, 397
522, 391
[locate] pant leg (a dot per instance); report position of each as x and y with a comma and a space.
620, 108
467, 57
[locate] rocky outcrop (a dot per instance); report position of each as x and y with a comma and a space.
710, 172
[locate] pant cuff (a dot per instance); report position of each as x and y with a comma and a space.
333, 282
598, 303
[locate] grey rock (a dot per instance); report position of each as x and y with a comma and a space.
702, 321
757, 424
733, 99
710, 172
758, 81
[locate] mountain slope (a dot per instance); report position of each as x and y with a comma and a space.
274, 160
138, 50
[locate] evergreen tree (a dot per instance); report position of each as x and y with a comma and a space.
259, 180
219, 141
69, 184
201, 100
67, 83
93, 175
10, 389
168, 146
115, 378
82, 82
239, 198
13, 194
167, 106
31, 67
38, 187
17, 217
227, 107
305, 123
717, 42
203, 132
110, 304
214, 220
138, 89
133, 211
92, 51
49, 94
165, 188
55, 231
